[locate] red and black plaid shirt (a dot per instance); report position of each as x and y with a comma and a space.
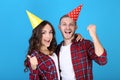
46, 69
82, 54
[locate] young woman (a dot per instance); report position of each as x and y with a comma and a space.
41, 60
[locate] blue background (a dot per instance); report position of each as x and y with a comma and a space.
15, 30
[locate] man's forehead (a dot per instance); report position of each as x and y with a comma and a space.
67, 20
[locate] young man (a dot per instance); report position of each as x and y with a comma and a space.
75, 58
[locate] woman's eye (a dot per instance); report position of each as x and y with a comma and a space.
42, 32
51, 31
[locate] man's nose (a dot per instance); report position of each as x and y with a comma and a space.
67, 27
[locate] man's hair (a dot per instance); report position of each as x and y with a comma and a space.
64, 17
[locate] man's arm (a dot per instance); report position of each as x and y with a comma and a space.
99, 50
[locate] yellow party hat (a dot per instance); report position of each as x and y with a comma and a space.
35, 21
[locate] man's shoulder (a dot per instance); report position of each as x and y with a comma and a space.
59, 45
58, 48
84, 41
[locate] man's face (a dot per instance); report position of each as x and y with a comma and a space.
67, 27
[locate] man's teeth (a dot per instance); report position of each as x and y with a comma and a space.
67, 32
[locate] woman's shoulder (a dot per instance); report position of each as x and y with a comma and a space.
34, 53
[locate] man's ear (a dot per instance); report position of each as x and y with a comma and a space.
76, 27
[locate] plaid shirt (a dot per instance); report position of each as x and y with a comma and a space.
46, 69
82, 54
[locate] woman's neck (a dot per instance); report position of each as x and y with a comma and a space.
45, 51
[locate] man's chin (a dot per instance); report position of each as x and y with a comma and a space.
68, 37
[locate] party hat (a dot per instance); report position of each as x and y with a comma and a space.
35, 21
75, 13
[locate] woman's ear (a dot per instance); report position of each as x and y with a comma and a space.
59, 26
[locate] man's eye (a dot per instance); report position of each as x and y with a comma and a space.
63, 24
72, 25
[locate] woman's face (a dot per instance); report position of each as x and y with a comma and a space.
47, 36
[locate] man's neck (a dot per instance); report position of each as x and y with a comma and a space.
67, 41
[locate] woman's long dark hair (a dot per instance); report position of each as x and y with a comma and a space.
35, 41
